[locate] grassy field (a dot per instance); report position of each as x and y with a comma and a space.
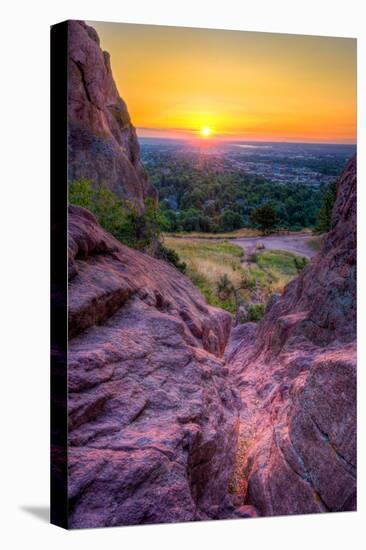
218, 269
245, 232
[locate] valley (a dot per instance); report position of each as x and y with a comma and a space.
215, 187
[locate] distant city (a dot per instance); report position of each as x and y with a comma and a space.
298, 163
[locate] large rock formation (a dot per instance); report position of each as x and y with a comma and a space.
154, 431
153, 416
154, 434
102, 143
297, 378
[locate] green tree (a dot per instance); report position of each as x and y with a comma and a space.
265, 217
256, 312
194, 220
230, 220
325, 213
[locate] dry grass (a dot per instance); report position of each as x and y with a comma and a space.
214, 255
215, 270
208, 261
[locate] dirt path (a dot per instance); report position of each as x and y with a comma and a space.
297, 244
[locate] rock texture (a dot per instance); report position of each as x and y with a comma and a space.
297, 378
154, 389
153, 416
102, 143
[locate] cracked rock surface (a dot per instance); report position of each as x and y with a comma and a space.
153, 414
171, 417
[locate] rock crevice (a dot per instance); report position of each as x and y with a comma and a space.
297, 377
169, 419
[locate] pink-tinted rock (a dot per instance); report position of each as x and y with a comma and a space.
102, 144
153, 416
154, 431
297, 378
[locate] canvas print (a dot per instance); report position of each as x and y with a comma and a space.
209, 370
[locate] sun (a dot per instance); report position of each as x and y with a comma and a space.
206, 131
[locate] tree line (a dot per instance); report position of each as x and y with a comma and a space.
211, 201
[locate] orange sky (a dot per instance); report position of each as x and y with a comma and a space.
246, 85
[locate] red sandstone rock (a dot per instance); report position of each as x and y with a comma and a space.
153, 407
153, 416
297, 376
102, 143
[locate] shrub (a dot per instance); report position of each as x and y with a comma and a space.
256, 312
171, 256
200, 280
300, 263
247, 282
81, 193
205, 286
224, 287
119, 217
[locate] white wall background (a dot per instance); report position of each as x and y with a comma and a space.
24, 309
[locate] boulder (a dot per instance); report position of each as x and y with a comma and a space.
153, 415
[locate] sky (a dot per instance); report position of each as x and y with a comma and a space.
201, 83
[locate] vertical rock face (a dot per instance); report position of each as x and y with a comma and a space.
297, 375
153, 416
102, 143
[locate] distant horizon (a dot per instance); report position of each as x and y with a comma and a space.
216, 140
